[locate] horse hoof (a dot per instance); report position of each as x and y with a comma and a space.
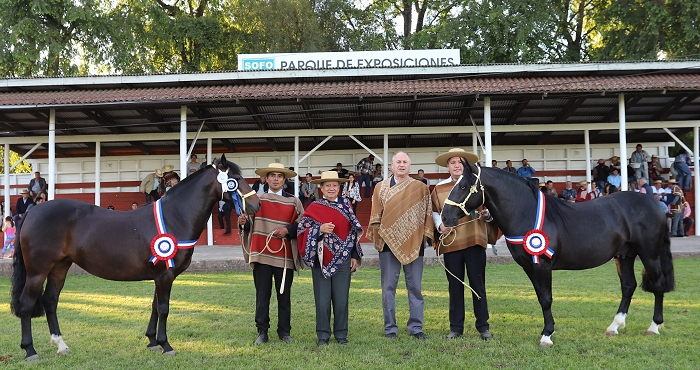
649, 332
170, 353
65, 351
33, 357
155, 348
546, 345
611, 332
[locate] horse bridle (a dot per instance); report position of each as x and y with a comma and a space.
473, 189
226, 185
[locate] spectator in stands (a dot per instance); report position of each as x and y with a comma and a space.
643, 187
687, 220
289, 183
2, 206
655, 168
110, 207
364, 169
662, 205
174, 181
309, 190
342, 172
8, 228
134, 205
36, 185
640, 162
224, 214
631, 178
526, 172
615, 163
583, 194
22, 205
569, 193
601, 173
351, 190
595, 191
169, 175
192, 165
681, 165
509, 167
152, 185
550, 189
494, 163
543, 187
676, 206
614, 178
260, 186
378, 175
658, 189
421, 177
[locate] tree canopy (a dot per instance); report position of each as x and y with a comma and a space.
69, 37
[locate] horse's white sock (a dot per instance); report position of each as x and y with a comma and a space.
57, 341
618, 323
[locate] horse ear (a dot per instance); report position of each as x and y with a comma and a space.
224, 163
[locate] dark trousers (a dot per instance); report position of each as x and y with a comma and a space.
262, 277
365, 179
225, 215
154, 194
474, 259
331, 291
687, 223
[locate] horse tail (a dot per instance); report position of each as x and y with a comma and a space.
19, 279
669, 280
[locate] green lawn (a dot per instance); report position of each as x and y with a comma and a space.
211, 325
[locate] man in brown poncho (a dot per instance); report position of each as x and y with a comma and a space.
400, 222
463, 246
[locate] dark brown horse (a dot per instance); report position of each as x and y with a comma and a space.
123, 246
624, 225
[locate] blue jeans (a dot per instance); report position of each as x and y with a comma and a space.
367, 180
683, 174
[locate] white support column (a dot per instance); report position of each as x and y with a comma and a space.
587, 144
210, 227
474, 143
98, 153
385, 167
487, 131
52, 154
183, 141
696, 181
6, 179
296, 166
623, 142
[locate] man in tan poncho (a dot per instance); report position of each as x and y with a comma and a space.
400, 222
463, 246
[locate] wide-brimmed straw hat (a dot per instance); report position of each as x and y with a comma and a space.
442, 159
25, 191
167, 168
583, 183
658, 182
159, 172
327, 176
541, 184
275, 167
614, 158
672, 181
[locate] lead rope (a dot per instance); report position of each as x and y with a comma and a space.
440, 244
269, 249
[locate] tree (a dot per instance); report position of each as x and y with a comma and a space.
23, 167
44, 37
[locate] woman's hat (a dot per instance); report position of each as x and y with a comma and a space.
275, 167
327, 176
583, 183
159, 172
442, 159
167, 168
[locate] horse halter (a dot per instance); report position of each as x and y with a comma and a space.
472, 190
229, 184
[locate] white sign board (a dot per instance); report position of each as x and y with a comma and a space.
352, 59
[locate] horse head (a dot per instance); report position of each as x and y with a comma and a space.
466, 194
234, 186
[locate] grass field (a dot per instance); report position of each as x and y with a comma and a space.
211, 325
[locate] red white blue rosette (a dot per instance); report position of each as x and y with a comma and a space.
536, 243
163, 248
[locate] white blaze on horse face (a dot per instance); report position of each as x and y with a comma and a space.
57, 341
618, 323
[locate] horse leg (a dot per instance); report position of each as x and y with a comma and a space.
54, 285
28, 299
152, 325
658, 320
164, 284
628, 283
541, 277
